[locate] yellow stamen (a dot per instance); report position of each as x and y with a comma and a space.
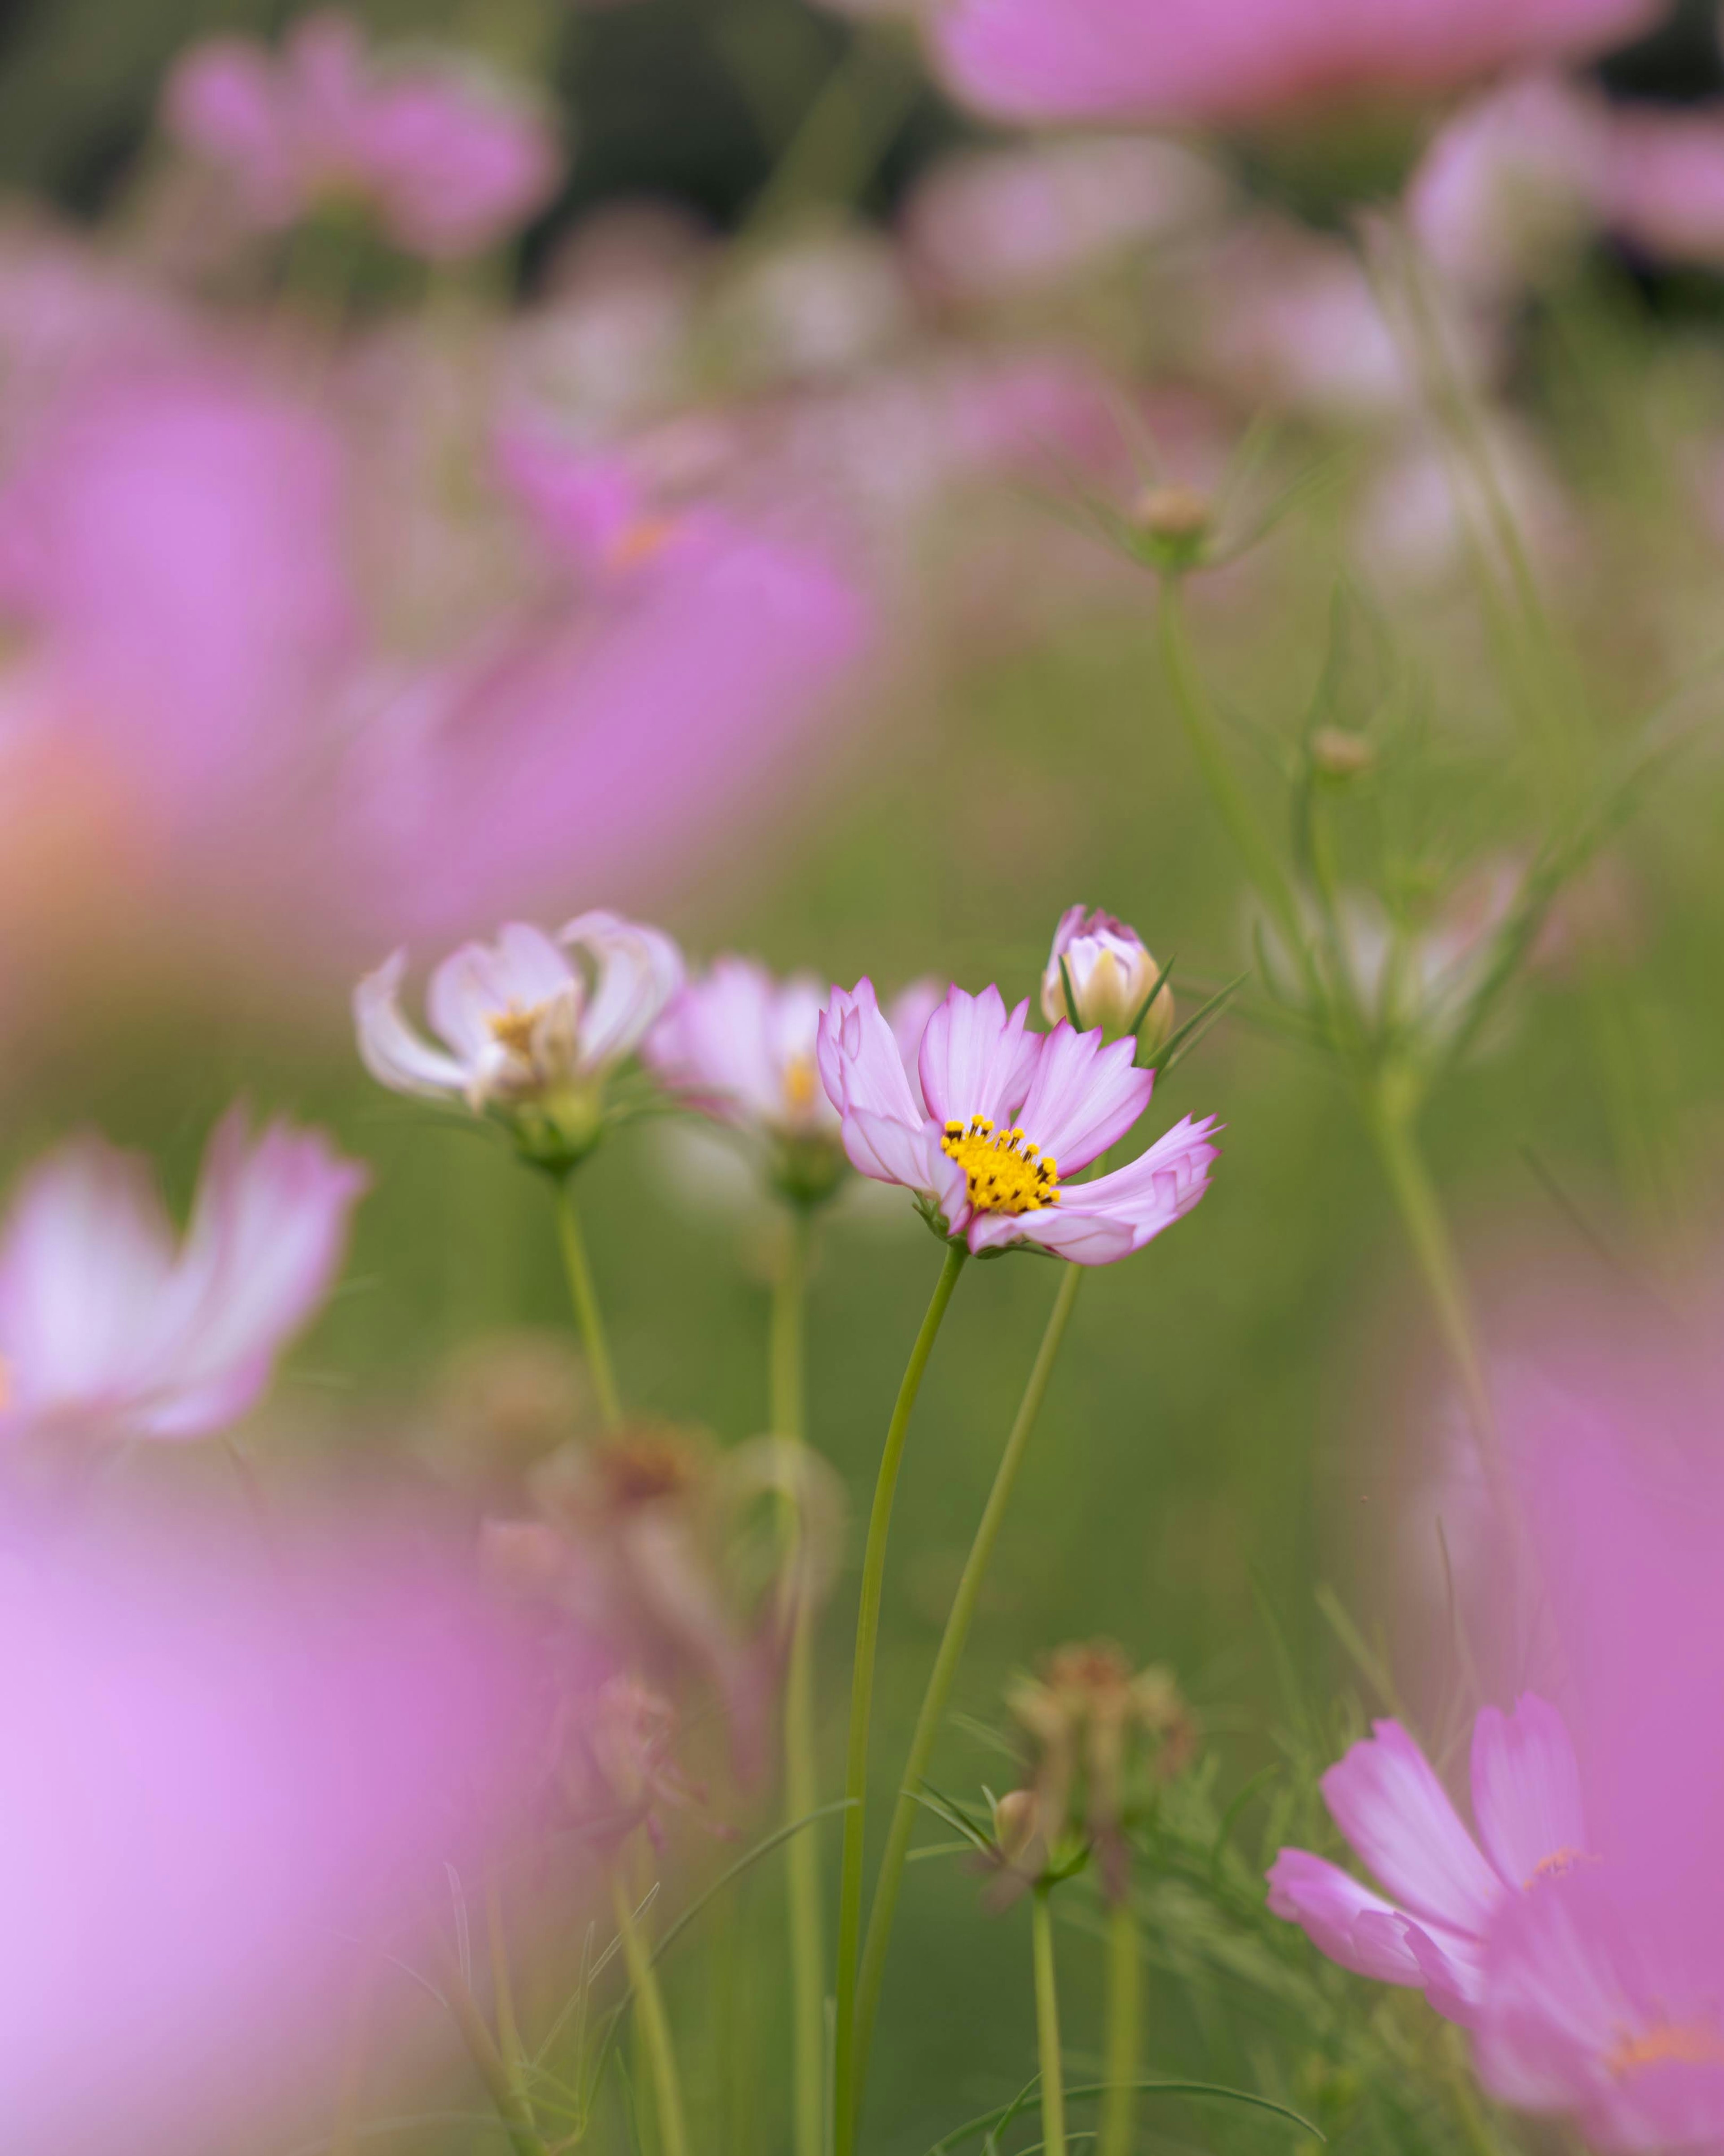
513, 1029
640, 542
1557, 1865
800, 1077
1665, 2043
1002, 1173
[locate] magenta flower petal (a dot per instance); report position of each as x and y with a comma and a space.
1390, 1805
1084, 1096
887, 1151
1087, 1239
861, 1064
1527, 1791
1327, 1904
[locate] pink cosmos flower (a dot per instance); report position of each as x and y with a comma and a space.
524, 1018
743, 1048
109, 1331
1136, 60
449, 162
993, 224
1447, 1892
1662, 184
1002, 1114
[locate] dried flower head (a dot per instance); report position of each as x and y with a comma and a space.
1097, 1728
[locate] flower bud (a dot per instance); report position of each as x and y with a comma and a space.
1111, 975
1014, 1825
1172, 526
1338, 754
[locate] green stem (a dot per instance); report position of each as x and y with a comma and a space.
1389, 1107
649, 2019
502, 1987
582, 1295
1191, 700
874, 1566
1123, 2011
789, 1410
1047, 2024
848, 127
944, 1673
511, 2106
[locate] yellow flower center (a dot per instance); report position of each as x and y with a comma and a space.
1665, 2043
513, 1029
800, 1078
1003, 1173
1557, 1865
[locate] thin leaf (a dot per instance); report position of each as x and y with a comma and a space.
1077, 1023
1181, 1043
1358, 1649
990, 2121
1161, 982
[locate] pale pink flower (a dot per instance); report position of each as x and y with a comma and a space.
1508, 187
1446, 1891
1137, 60
1662, 186
109, 1331
448, 160
988, 224
1003, 1114
524, 1020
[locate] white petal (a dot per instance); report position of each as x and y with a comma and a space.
389, 1048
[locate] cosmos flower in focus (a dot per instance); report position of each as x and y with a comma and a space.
1138, 60
531, 1024
448, 160
741, 1047
109, 1331
1004, 1116
1447, 1890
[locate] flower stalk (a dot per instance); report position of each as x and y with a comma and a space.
585, 1298
941, 1679
652, 2023
844, 2079
1046, 2022
1122, 2016
789, 1409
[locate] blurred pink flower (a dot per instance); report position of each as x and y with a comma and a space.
1447, 1892
993, 224
1001, 1112
448, 161
1137, 60
524, 1017
107, 1332
1662, 185
1509, 185
228, 1785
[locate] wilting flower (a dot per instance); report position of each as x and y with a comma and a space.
1003, 1115
109, 1331
526, 1028
1100, 974
741, 1047
448, 160
1095, 1724
641, 1542
1447, 1890
1192, 59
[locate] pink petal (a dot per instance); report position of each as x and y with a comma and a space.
1327, 1903
389, 1048
1085, 1096
974, 1058
1160, 1187
1392, 1808
888, 1151
1526, 1790
1087, 1239
860, 1063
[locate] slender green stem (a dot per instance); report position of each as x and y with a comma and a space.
874, 1568
502, 1986
1047, 2023
511, 2106
944, 1673
1124, 2012
849, 125
585, 1298
1192, 702
650, 2019
1389, 1106
788, 1408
